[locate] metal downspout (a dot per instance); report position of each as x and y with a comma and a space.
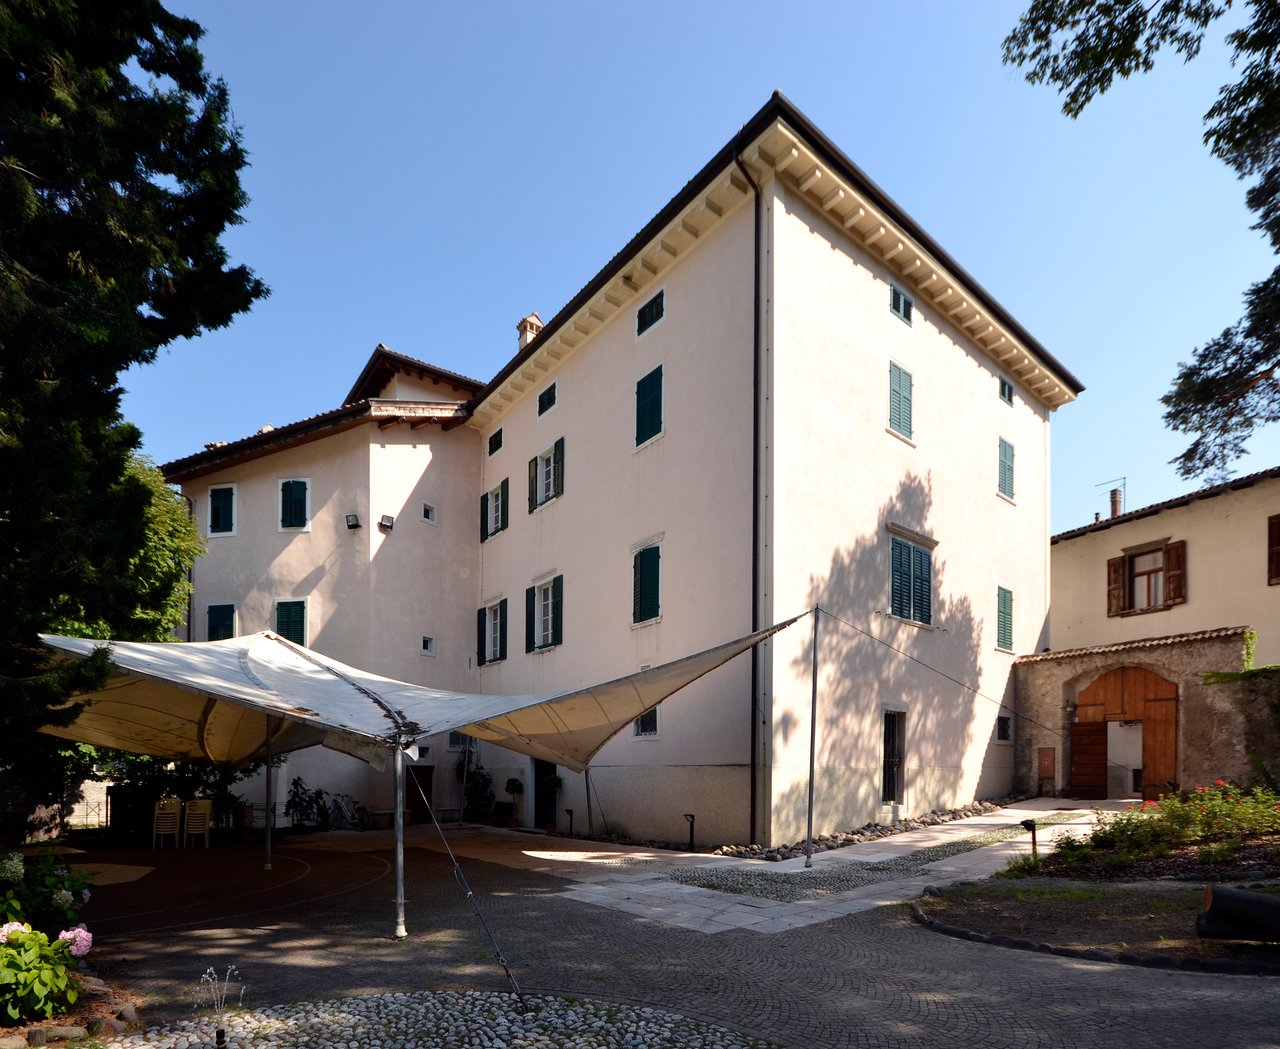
755, 503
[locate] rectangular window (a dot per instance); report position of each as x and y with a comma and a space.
291, 621
1006, 390
222, 622
547, 399
546, 475
1004, 728
1273, 550
460, 741
911, 582
222, 510
1004, 619
495, 440
493, 510
544, 615
649, 314
1147, 580
649, 406
428, 645
644, 584
295, 503
429, 513
491, 633
646, 724
1006, 469
900, 303
899, 400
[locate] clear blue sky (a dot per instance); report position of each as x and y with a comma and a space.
423, 175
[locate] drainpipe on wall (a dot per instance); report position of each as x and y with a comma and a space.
191, 572
755, 502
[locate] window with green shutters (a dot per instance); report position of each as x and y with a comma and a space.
494, 513
644, 584
222, 622
491, 633
294, 505
291, 621
899, 400
547, 399
1004, 619
546, 475
1006, 468
649, 406
900, 303
650, 313
544, 615
911, 582
222, 510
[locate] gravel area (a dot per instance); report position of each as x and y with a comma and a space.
446, 1020
829, 879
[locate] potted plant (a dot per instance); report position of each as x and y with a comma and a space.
515, 787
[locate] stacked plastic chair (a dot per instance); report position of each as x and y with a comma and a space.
168, 814
199, 814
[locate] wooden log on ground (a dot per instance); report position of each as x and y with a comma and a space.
1238, 914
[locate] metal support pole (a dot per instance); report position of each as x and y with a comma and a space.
813, 735
271, 795
398, 823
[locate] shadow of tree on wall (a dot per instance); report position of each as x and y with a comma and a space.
870, 662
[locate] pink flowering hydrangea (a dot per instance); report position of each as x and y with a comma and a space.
10, 928
81, 940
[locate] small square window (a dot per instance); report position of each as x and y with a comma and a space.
547, 399
650, 313
495, 441
646, 724
1006, 390
1004, 728
900, 303
428, 645
429, 513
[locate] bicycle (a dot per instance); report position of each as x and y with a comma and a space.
345, 809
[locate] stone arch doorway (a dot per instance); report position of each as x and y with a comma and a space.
1125, 696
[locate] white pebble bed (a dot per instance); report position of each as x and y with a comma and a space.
447, 1019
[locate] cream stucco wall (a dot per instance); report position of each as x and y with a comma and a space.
688, 489
838, 479
1226, 574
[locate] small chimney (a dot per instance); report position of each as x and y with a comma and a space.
1117, 502
1096, 517
528, 328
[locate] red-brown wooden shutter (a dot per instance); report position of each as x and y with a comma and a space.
1273, 550
1115, 586
1175, 573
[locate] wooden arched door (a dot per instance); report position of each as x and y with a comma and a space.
1125, 694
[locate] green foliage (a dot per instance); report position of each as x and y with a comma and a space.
305, 807
1230, 386
50, 895
477, 800
37, 980
119, 174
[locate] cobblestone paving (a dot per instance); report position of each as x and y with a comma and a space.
867, 979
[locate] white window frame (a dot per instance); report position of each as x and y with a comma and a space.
306, 612
280, 483
638, 733
488, 442
555, 399
1006, 382
428, 645
547, 476
493, 632
493, 523
235, 512
429, 513
908, 303
648, 298
544, 609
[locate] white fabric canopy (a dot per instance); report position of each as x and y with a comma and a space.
217, 700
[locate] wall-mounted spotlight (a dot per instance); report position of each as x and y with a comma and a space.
387, 523
353, 521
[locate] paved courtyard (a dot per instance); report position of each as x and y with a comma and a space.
606, 922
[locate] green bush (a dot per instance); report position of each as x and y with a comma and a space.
36, 976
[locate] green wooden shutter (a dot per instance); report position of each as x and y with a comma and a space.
293, 504
649, 406
482, 635
899, 400
505, 509
644, 598
533, 484
530, 623
557, 468
1004, 618
900, 579
557, 610
221, 510
222, 622
1273, 549
921, 586
484, 517
1006, 468
502, 629
291, 621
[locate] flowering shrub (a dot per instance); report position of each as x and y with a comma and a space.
45, 893
79, 938
36, 977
